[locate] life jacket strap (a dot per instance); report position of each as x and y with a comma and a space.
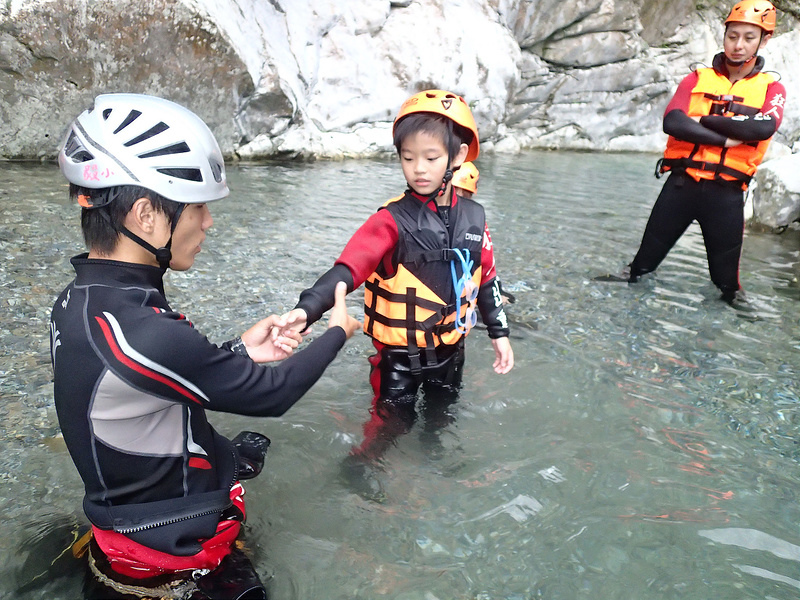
411, 332
411, 301
438, 255
727, 103
369, 309
378, 291
723, 97
681, 164
430, 349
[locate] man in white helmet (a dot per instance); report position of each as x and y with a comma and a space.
133, 378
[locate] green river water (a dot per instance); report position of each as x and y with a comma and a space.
646, 445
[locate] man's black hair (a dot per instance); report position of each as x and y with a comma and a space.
102, 225
449, 132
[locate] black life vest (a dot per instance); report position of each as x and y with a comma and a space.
415, 306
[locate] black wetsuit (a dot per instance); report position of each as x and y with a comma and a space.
133, 380
715, 203
717, 208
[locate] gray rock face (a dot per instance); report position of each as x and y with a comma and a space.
324, 78
56, 56
776, 192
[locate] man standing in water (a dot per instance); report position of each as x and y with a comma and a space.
133, 378
720, 122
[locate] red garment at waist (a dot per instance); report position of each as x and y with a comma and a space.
137, 561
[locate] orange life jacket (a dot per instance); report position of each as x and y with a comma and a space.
415, 306
715, 94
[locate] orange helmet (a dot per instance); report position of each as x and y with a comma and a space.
466, 177
756, 12
450, 105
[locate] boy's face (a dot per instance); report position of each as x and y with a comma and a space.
423, 158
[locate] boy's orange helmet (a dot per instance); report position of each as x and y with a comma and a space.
466, 177
451, 105
756, 12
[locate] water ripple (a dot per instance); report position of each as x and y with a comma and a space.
636, 417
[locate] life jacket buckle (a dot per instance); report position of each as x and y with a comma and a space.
415, 364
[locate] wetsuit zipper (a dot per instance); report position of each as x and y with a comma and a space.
127, 530
140, 528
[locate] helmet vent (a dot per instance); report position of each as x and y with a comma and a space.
132, 116
128, 139
154, 130
178, 148
216, 170
187, 174
75, 149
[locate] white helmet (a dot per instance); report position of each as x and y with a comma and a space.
135, 139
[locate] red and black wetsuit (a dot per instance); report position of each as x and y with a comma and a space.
133, 382
705, 190
384, 243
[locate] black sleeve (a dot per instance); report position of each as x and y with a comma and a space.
240, 386
319, 298
490, 305
298, 373
170, 359
681, 126
745, 128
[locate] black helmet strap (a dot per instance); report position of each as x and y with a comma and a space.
164, 254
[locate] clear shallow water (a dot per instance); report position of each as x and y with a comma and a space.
645, 445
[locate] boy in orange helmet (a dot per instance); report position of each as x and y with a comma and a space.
465, 180
720, 122
427, 262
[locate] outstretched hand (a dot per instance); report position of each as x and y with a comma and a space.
339, 316
296, 320
266, 342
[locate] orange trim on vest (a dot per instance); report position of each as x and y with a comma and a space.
711, 90
386, 317
390, 200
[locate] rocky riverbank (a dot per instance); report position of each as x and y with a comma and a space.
323, 79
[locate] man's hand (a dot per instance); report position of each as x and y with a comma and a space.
339, 316
266, 342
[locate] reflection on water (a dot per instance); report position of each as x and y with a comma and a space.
645, 446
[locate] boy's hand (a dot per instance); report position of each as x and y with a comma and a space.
266, 343
295, 320
339, 316
503, 355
